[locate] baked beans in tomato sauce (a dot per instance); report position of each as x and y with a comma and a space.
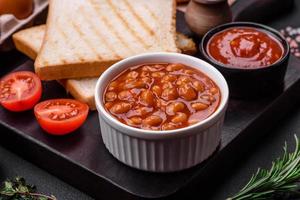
161, 96
245, 47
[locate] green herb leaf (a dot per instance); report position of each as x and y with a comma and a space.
17, 189
281, 180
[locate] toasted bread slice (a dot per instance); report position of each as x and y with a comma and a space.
84, 37
29, 42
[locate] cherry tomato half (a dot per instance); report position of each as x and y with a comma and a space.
61, 116
20, 91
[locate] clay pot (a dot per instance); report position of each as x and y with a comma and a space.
202, 15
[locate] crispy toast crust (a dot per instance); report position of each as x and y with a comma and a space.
72, 70
24, 47
24, 44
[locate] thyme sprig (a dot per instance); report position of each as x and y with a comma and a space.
17, 189
280, 180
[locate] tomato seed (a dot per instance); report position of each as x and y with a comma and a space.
62, 116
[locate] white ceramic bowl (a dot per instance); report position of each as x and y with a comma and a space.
161, 151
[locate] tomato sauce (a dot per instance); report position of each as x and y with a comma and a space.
161, 96
242, 47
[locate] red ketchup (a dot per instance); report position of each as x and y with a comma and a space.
243, 47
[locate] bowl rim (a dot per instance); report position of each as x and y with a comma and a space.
152, 134
276, 34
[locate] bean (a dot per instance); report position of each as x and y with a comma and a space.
158, 74
169, 78
200, 87
174, 108
135, 92
168, 126
146, 80
208, 97
193, 121
161, 104
134, 84
189, 72
142, 111
132, 75
212, 99
199, 106
129, 80
209, 82
110, 96
159, 67
108, 105
145, 74
120, 108
113, 85
187, 92
183, 80
205, 97
167, 85
178, 106
125, 95
156, 90
169, 94
153, 120
214, 90
147, 98
174, 67
136, 120
147, 68
179, 118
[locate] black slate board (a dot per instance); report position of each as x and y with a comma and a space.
82, 160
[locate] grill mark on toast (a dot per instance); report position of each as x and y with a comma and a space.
139, 19
60, 30
77, 28
157, 21
98, 33
152, 14
127, 25
111, 26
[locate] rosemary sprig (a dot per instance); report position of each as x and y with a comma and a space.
280, 180
17, 189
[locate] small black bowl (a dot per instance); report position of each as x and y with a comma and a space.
254, 82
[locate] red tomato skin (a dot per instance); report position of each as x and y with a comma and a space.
24, 104
60, 128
